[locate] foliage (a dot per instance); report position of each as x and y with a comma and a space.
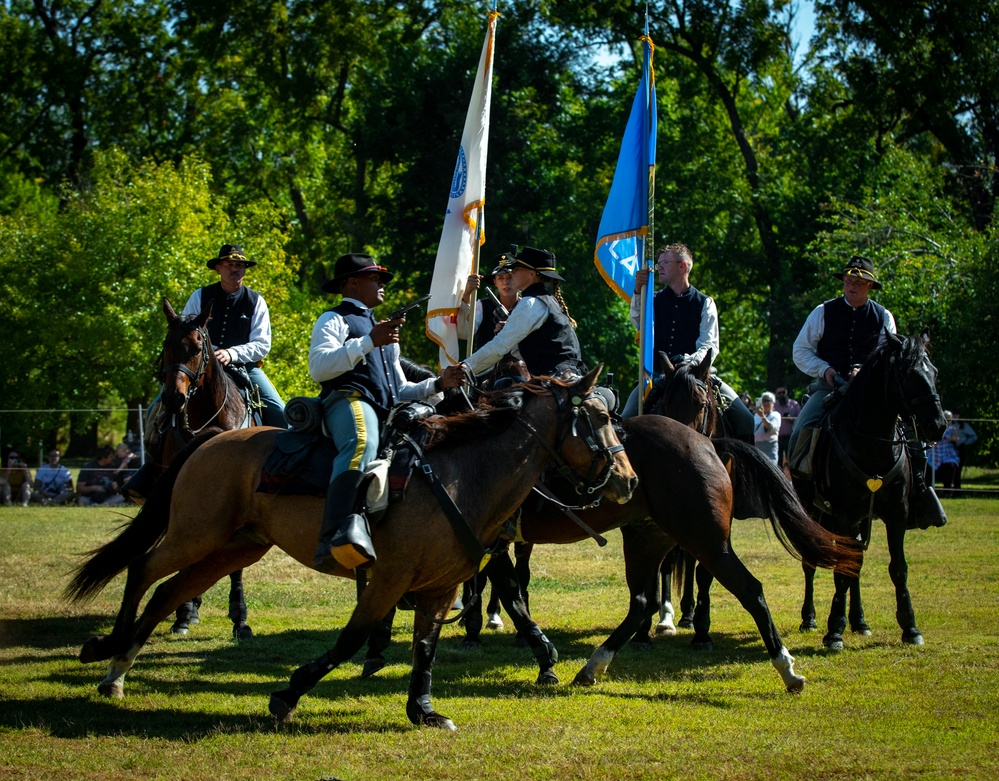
197, 706
318, 127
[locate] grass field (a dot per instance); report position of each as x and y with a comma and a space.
196, 707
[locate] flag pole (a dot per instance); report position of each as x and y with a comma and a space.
648, 243
470, 344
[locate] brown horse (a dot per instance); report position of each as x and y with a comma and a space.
684, 497
199, 397
203, 522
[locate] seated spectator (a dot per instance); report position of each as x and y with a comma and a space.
966, 438
944, 459
125, 465
97, 481
16, 480
53, 482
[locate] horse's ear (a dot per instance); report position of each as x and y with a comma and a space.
168, 311
703, 370
892, 338
203, 318
664, 363
589, 382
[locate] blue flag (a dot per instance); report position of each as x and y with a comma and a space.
625, 225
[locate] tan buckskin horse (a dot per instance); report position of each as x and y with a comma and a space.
202, 523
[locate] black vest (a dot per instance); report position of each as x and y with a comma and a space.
553, 346
491, 315
232, 314
849, 335
677, 320
369, 376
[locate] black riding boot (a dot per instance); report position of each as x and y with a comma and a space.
344, 536
140, 485
925, 509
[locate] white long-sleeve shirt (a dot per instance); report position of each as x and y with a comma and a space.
333, 352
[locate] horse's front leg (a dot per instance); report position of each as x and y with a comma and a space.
472, 621
237, 607
858, 622
702, 611
898, 570
373, 605
507, 585
836, 626
425, 635
688, 605
808, 623
644, 550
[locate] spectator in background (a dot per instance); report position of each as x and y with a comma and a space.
966, 438
944, 459
97, 481
788, 409
125, 464
16, 480
748, 401
53, 482
767, 426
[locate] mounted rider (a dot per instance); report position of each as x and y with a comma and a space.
836, 338
356, 361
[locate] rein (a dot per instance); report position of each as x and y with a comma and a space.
195, 384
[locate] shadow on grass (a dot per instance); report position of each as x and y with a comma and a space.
268, 660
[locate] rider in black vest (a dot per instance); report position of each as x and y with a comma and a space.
539, 327
837, 337
356, 361
685, 329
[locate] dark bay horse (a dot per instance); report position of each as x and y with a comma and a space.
684, 497
684, 393
202, 522
198, 397
862, 471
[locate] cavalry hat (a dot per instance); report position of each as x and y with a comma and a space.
351, 264
231, 252
540, 260
504, 262
861, 267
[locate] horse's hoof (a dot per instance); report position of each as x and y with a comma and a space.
796, 685
371, 666
833, 642
863, 630
471, 645
584, 678
547, 678
702, 645
495, 622
641, 645
685, 623
422, 714
90, 652
282, 705
179, 629
665, 630
914, 637
242, 632
808, 625
114, 691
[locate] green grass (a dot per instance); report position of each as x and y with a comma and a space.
196, 707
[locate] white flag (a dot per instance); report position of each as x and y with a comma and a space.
464, 227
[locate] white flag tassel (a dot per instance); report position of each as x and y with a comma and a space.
463, 232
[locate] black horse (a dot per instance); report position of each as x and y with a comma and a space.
862, 470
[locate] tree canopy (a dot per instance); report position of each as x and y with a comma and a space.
137, 137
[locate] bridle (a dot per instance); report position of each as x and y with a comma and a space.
570, 408
196, 383
698, 383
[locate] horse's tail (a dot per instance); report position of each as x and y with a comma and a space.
760, 490
135, 538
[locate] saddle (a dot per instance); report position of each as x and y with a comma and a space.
301, 461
